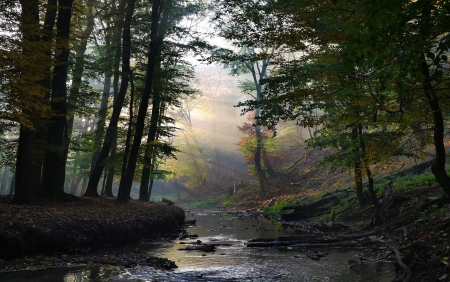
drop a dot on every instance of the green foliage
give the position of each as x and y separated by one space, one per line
276 208
234 198
209 203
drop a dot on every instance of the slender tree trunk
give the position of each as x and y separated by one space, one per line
358 169
75 186
12 186
116 41
5 177
111 132
110 176
152 134
54 163
130 128
267 164
155 43
77 74
100 129
177 189
379 214
438 168
150 188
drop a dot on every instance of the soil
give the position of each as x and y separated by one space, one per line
48 234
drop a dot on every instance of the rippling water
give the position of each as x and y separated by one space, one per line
234 262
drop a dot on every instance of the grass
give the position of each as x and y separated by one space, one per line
406 183
234 198
209 203
276 208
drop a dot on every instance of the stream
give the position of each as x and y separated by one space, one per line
232 260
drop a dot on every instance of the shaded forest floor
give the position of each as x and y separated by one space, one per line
79 226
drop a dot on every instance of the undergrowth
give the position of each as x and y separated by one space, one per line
209 203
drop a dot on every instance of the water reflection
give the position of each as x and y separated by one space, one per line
232 261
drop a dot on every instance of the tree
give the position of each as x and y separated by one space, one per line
91 190
155 45
53 173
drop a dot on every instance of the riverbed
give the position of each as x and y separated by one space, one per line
232 260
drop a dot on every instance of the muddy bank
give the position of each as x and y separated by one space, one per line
81 225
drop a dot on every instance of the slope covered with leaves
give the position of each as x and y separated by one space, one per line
80 225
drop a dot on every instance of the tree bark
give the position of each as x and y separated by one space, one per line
149 155
40 137
358 169
12 186
111 132
5 177
379 215
267 164
77 74
155 44
438 168
54 163
29 26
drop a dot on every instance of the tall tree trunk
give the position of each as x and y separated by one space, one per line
257 158
130 127
40 138
267 164
149 154
379 213
29 27
111 132
77 74
54 163
358 169
116 42
155 44
438 168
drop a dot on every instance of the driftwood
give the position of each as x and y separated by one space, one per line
313 241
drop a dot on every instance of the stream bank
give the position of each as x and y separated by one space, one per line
80 225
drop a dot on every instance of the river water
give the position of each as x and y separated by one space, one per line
232 261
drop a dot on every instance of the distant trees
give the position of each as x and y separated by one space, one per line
105 39
366 67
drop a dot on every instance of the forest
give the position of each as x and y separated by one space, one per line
233 103
95 93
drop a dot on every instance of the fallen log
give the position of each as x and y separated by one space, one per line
316 204
410 217
310 240
409 273
304 214
200 248
360 235
268 244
